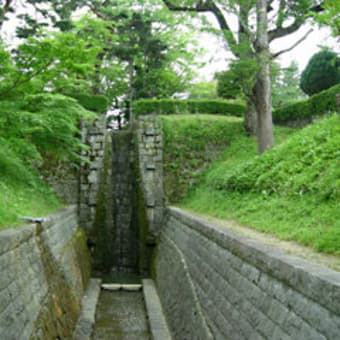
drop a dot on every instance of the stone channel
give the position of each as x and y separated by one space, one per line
121 315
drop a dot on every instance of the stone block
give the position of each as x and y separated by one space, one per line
150 131
150 166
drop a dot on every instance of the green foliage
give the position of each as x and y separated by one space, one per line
22 192
331 16
322 72
285 86
227 85
317 105
292 191
203 90
308 163
41 125
239 80
190 144
173 106
95 103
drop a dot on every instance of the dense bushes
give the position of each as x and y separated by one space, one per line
322 72
42 125
317 105
96 103
173 106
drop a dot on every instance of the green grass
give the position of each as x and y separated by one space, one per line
22 192
191 143
292 192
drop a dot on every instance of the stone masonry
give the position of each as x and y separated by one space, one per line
214 283
93 136
44 272
150 152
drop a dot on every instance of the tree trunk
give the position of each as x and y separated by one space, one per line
250 118
263 102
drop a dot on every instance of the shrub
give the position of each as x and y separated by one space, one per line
95 103
317 105
322 72
173 106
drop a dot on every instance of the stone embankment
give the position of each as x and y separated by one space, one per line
217 284
45 268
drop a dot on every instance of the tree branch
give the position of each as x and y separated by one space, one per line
6 8
280 31
208 6
94 10
283 31
275 55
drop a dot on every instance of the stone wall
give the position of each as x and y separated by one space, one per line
93 136
150 154
63 177
216 284
44 271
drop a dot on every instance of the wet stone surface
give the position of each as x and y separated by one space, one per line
121 316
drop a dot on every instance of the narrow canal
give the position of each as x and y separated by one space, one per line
121 315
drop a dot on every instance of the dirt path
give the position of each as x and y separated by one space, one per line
330 261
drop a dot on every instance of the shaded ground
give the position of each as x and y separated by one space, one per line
121 316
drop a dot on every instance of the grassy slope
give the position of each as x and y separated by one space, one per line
22 192
191 143
292 192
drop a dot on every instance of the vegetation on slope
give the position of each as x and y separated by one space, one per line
292 191
34 130
22 191
191 143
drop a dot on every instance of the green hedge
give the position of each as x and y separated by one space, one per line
96 103
176 106
317 105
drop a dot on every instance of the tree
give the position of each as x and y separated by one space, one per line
154 50
228 85
286 86
251 43
137 47
321 72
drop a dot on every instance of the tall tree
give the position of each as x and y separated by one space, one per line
251 43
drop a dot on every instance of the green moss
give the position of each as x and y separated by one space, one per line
59 312
102 232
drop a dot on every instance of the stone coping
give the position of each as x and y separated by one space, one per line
315 281
86 320
11 238
157 323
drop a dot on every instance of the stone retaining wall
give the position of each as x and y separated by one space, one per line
93 136
216 284
150 157
44 272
